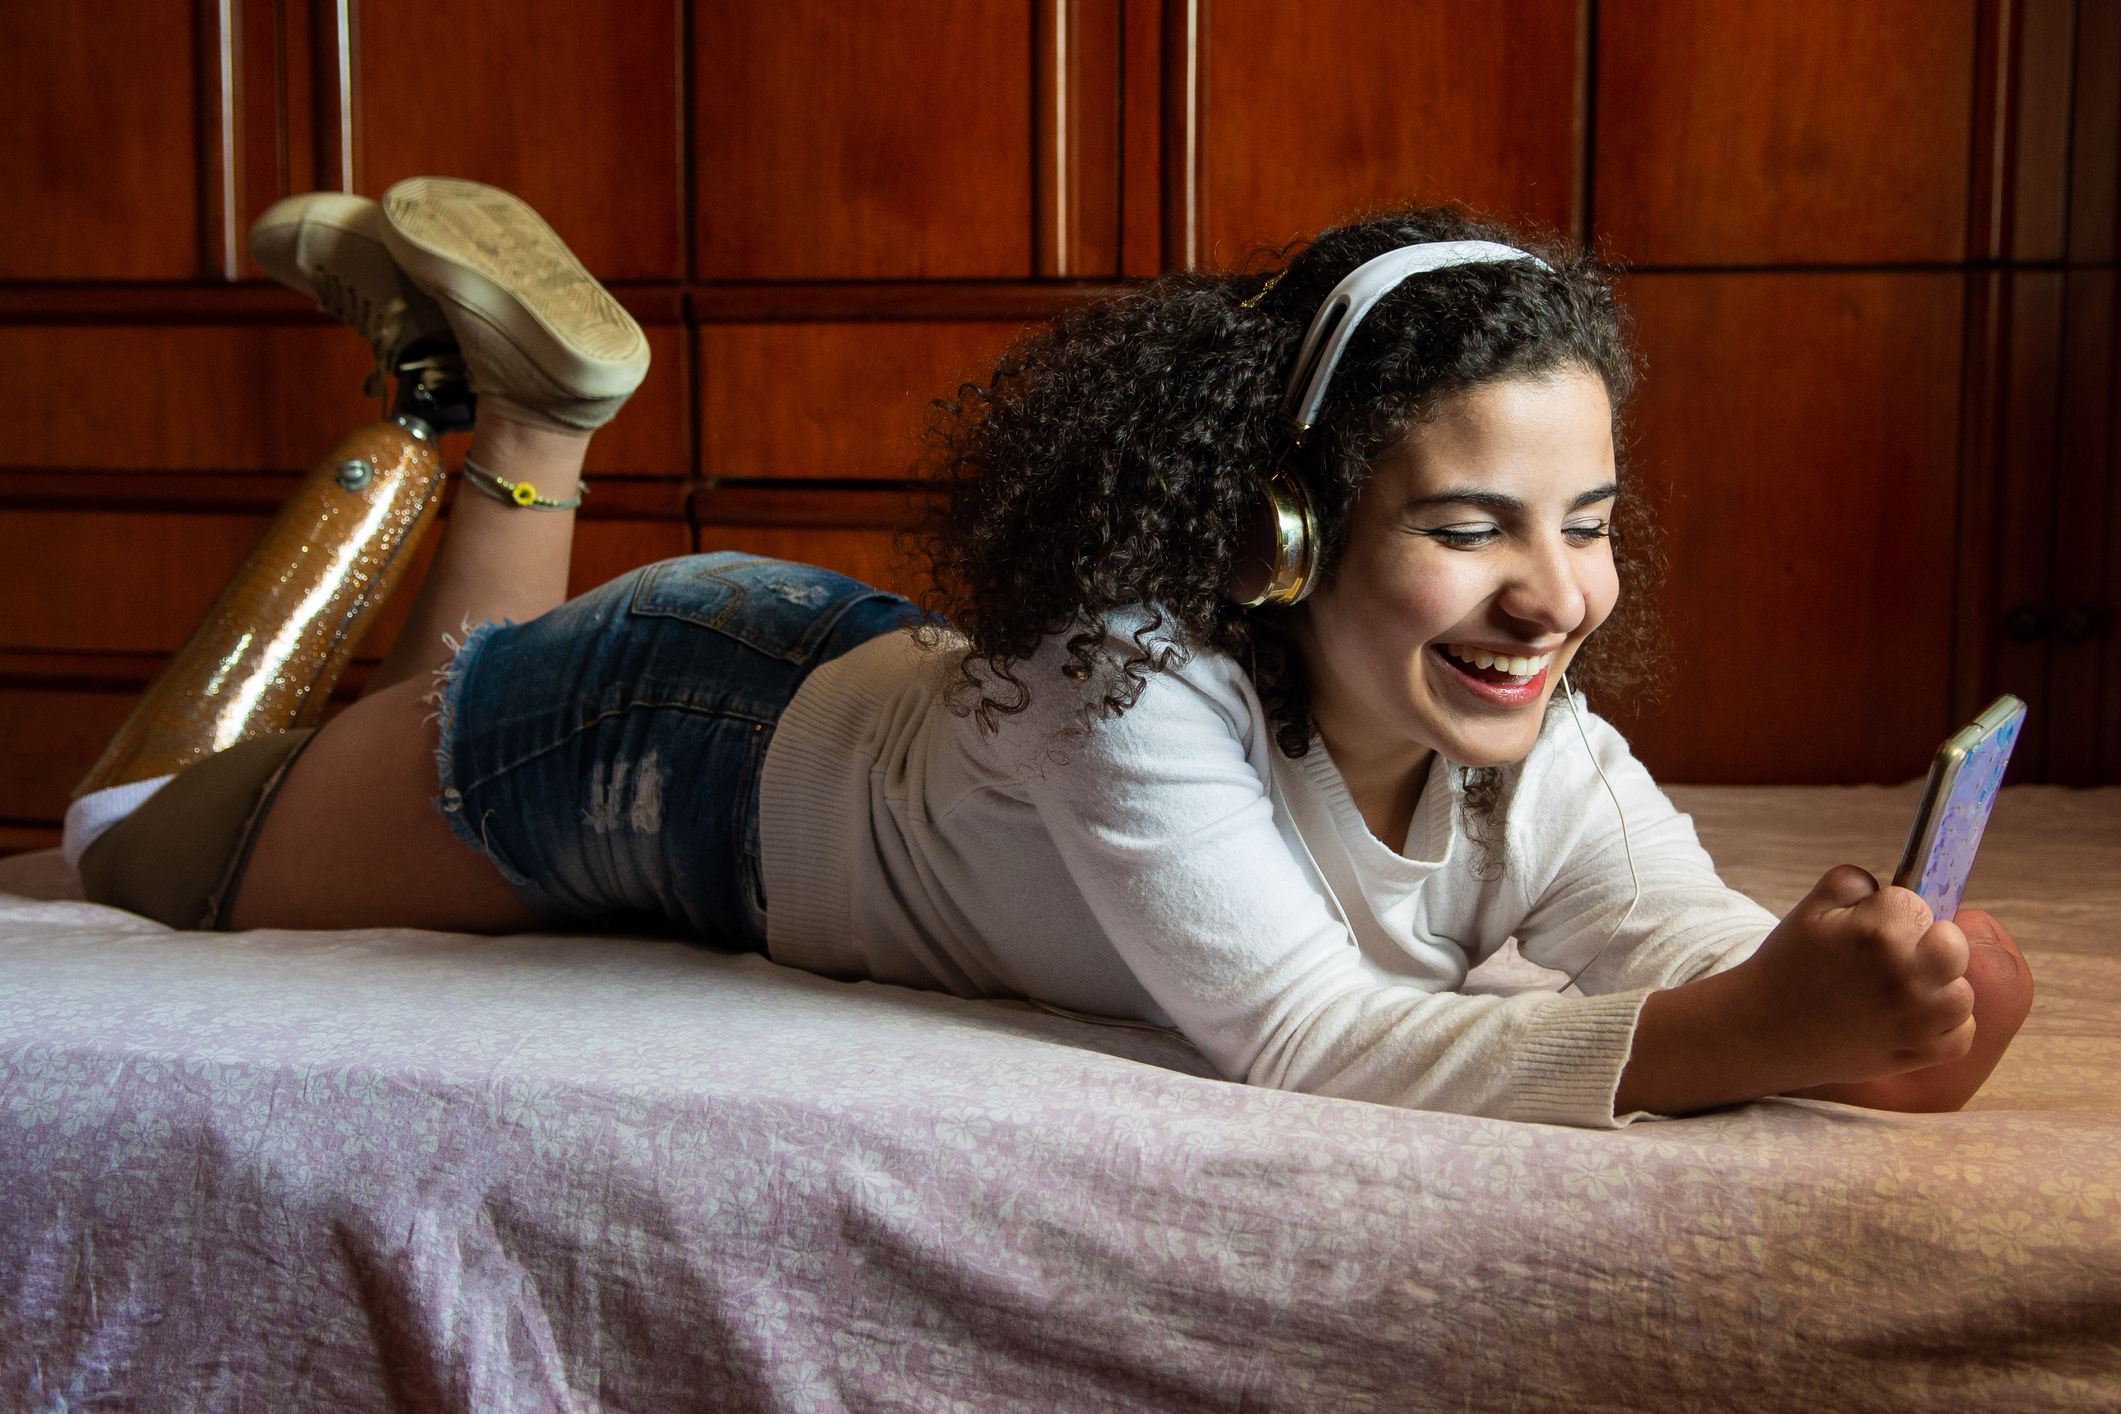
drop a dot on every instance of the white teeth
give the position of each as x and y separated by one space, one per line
1520 667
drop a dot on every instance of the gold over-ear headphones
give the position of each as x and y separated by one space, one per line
1278 563
1281 561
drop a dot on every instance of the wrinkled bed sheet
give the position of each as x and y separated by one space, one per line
397 1170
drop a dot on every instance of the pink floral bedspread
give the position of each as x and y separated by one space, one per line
415 1171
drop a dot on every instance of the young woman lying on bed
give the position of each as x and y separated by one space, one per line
1252 715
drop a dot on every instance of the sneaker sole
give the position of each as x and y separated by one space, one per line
486 250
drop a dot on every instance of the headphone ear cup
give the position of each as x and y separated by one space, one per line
1252 567
1278 561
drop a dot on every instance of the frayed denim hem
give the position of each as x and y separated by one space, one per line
449 686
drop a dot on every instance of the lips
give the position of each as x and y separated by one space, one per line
1493 685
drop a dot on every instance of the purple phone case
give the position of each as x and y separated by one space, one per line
1963 815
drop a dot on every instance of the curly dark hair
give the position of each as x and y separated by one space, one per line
1114 458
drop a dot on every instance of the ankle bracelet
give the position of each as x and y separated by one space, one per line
517 493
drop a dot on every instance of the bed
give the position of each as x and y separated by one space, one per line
399 1170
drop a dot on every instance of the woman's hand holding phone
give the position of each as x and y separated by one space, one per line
1865 982
1962 787
2003 995
1860 996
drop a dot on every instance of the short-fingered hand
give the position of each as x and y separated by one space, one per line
1863 982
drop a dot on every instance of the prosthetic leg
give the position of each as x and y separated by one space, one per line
268 653
453 285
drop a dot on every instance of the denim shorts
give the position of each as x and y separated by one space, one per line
606 756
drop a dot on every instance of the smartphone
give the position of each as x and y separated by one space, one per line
1955 805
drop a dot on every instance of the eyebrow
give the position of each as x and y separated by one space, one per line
1497 501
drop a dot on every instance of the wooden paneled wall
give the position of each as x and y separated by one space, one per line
1870 250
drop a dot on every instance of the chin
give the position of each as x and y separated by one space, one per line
1482 750
1476 760
1484 724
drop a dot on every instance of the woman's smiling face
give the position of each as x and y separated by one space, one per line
1481 535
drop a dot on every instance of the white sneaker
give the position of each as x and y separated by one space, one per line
534 326
330 246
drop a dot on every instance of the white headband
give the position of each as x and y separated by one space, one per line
1351 299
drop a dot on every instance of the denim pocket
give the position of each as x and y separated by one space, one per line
783 610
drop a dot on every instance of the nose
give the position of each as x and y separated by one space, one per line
1544 594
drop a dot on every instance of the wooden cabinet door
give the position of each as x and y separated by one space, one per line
1870 251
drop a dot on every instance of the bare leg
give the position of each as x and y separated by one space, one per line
352 840
498 561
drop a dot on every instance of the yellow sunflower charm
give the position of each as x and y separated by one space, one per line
520 494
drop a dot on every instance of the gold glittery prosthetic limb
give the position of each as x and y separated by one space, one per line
269 651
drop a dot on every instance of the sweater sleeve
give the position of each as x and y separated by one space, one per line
1565 829
1163 820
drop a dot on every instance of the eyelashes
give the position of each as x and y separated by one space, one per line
1461 539
1474 539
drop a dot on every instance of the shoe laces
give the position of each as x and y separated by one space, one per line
381 325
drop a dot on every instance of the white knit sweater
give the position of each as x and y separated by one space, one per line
1171 865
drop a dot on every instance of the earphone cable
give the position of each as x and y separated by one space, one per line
1278 798
1626 843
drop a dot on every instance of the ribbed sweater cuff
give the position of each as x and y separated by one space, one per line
1569 1058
